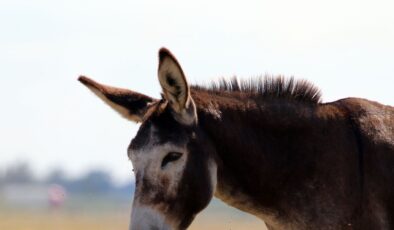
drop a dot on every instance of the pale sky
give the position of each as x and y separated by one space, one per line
49 119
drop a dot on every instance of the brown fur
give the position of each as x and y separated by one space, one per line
302 166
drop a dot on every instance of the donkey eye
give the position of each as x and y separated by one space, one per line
171 156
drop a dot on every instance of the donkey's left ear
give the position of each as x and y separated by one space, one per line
175 88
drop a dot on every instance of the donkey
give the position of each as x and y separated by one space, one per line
267 146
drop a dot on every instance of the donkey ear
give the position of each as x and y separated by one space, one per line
175 87
129 104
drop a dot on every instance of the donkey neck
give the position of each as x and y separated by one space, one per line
261 150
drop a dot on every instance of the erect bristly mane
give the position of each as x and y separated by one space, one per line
266 87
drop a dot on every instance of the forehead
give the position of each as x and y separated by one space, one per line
159 129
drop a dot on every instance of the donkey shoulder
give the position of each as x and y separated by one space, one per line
373 120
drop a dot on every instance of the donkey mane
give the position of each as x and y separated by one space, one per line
267 87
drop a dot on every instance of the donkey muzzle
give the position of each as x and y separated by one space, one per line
147 218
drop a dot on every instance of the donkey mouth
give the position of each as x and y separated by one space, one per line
147 218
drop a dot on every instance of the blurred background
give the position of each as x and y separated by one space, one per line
63 161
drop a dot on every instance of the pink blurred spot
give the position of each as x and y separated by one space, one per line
56 195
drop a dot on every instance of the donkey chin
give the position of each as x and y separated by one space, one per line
147 218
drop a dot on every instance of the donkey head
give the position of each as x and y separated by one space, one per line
173 160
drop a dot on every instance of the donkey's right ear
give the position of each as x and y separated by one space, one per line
129 104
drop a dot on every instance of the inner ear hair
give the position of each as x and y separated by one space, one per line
173 81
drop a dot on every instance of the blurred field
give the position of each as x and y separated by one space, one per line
216 217
61 221
215 221
41 221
